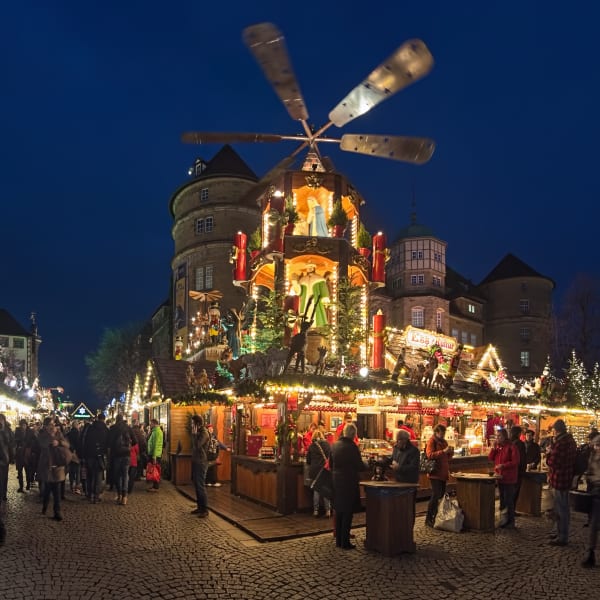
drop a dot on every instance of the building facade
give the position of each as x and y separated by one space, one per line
19 351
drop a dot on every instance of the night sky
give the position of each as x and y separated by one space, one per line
95 96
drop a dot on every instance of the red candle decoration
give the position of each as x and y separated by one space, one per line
379 251
240 259
378 346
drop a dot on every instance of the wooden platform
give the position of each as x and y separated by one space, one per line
262 523
266 525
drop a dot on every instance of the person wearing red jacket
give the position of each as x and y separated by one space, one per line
437 449
506 458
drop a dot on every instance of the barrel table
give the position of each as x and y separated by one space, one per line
390 516
476 494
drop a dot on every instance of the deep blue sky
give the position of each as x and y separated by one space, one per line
95 96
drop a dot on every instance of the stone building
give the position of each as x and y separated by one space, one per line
208 210
511 308
19 351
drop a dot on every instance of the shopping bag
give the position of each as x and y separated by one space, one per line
323 483
153 472
450 516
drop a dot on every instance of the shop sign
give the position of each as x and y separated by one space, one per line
82 412
419 338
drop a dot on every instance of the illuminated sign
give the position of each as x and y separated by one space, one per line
82 412
419 338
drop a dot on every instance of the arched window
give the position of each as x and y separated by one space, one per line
418 316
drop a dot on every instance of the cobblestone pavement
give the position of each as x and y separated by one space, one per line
154 548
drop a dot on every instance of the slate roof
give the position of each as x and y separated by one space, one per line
509 267
10 326
458 286
227 162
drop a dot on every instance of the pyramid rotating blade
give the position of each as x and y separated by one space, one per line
408 149
207 137
410 62
267 44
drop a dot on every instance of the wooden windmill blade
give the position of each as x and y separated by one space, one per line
223 137
409 63
267 44
407 149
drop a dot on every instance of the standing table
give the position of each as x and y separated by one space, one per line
476 494
530 495
390 516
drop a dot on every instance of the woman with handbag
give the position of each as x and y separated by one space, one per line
437 449
317 458
52 467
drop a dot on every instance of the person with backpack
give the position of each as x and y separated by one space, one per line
120 441
212 454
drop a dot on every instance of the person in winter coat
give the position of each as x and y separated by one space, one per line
318 452
215 445
560 458
592 476
23 435
533 454
200 439
94 451
52 465
7 456
515 438
437 449
119 441
155 448
346 464
506 458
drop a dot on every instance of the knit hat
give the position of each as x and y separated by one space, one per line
559 425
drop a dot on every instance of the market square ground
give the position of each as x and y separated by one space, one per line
153 548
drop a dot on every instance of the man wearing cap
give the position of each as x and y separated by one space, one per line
560 459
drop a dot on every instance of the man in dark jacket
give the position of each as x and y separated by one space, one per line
119 442
346 464
560 459
405 463
94 452
533 454
7 456
200 439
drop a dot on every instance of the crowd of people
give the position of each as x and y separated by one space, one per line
90 458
